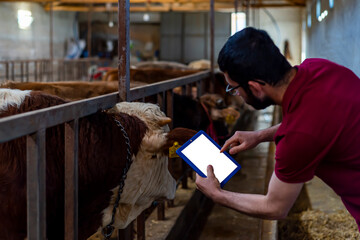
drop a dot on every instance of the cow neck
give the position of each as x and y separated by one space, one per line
109 229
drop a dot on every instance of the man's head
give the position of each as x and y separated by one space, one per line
251 55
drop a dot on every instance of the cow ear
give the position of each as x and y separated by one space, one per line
163 121
180 135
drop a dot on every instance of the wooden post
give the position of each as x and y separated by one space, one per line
124 49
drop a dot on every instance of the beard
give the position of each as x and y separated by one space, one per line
258 103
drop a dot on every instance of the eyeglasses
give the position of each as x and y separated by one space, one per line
233 91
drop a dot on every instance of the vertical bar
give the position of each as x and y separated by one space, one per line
206 36
169 106
140 224
247 12
27 71
71 179
183 89
35 182
51 46
161 210
36 71
182 43
13 71
123 49
160 101
189 90
7 70
198 89
127 233
212 23
89 28
184 179
21 71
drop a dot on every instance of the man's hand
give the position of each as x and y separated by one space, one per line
241 140
210 186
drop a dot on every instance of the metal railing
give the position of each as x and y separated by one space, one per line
33 125
47 70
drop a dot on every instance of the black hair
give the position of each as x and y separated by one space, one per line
251 54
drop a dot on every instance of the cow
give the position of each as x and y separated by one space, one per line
101 158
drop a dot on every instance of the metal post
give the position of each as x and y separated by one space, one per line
36 186
169 106
51 43
140 224
161 210
212 23
71 179
89 31
124 49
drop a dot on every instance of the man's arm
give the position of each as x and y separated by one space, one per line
274 205
244 140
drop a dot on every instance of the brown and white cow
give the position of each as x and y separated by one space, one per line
102 154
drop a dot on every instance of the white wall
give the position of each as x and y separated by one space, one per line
337 37
34 42
281 24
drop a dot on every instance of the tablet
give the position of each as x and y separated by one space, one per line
201 151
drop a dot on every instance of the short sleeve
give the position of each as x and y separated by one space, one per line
297 157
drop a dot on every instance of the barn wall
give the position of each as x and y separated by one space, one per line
281 24
185 37
33 43
337 37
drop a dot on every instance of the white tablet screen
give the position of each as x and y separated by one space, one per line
202 152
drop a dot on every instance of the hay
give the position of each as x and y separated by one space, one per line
316 225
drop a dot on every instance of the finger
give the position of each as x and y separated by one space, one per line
227 144
237 149
210 171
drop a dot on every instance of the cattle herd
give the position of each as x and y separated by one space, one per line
102 153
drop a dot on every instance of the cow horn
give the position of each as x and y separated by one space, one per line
163 121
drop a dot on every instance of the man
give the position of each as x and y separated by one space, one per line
319 134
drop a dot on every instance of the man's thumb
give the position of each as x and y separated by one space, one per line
210 171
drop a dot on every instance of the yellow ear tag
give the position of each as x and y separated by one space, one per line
172 150
230 119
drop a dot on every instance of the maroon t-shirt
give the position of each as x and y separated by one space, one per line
320 131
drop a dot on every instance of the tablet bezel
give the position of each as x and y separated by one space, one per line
196 169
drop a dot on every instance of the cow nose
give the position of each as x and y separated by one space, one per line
220 104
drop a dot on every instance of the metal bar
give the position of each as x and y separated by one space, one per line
21 71
161 210
89 30
182 38
124 49
160 100
71 179
198 89
26 123
7 70
36 186
13 71
36 71
140 224
127 233
169 106
51 45
183 90
184 179
27 71
151 89
212 27
189 90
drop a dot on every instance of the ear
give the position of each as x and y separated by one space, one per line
256 88
180 135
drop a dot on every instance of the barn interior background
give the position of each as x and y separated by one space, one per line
77 40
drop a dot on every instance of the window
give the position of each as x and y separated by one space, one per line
318 9
331 3
238 22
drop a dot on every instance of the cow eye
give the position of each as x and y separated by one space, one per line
154 156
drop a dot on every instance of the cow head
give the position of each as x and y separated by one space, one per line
148 178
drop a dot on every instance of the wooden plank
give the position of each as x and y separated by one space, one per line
71 179
36 186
